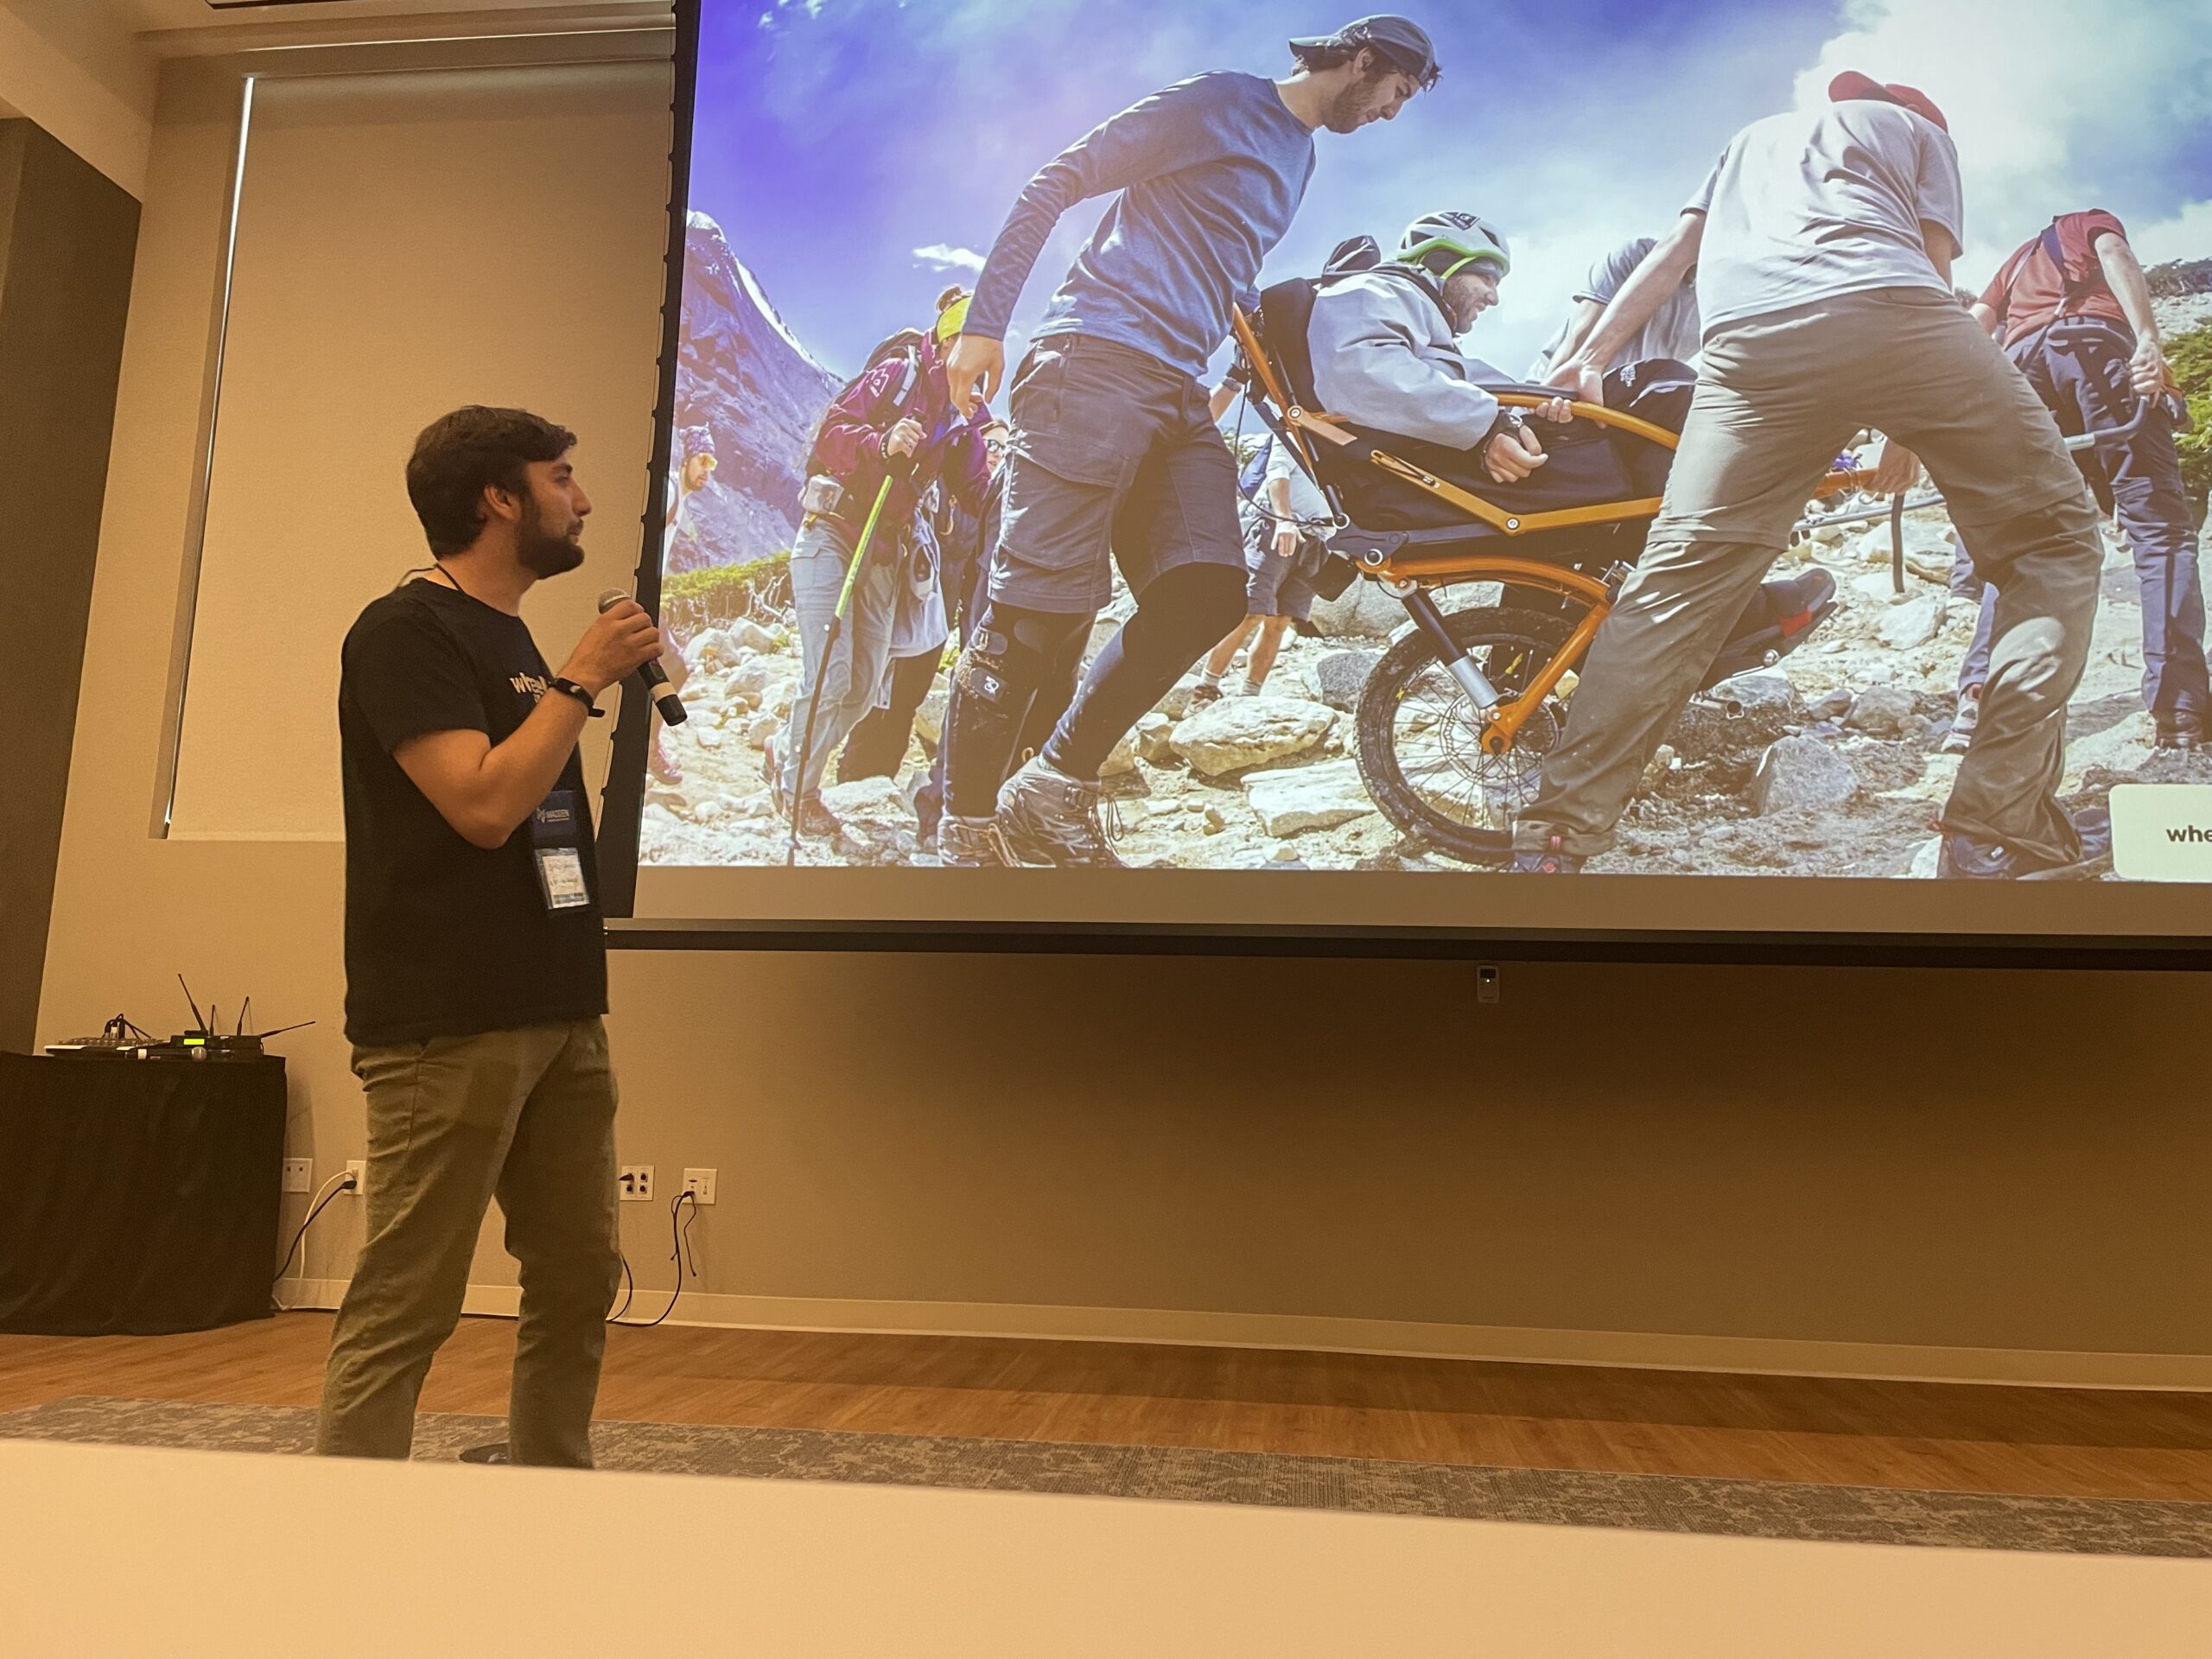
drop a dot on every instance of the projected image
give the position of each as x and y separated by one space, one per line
1747 440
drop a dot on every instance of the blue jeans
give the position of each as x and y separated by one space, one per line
2079 367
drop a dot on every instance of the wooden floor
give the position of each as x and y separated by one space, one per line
2047 1441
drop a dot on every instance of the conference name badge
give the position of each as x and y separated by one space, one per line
557 838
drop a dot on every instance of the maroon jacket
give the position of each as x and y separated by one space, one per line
850 446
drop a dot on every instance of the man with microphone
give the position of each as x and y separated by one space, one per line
475 964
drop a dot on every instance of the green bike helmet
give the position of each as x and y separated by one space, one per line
1445 244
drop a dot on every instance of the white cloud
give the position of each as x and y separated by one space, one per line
940 256
2050 101
2187 235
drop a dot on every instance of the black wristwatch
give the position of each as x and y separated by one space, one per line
570 688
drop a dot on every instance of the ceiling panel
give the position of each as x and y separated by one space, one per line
160 17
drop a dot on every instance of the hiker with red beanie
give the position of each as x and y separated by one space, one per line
1823 242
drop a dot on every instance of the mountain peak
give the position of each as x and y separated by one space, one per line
742 373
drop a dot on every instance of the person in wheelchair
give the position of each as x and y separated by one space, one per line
1383 341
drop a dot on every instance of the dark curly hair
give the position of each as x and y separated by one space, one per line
462 454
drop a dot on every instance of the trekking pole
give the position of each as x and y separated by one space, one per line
1896 542
821 663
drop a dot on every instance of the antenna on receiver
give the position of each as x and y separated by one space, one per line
200 1022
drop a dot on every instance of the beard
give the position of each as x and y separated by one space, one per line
542 552
1349 112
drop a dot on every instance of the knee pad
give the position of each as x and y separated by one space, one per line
1011 651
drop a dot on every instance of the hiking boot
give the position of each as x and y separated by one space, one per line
1047 817
1963 723
816 819
970 844
1202 695
1551 859
2183 729
663 765
1964 857
1780 617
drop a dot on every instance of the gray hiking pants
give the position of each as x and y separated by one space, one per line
1780 396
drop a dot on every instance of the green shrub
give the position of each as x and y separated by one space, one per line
721 593
2190 355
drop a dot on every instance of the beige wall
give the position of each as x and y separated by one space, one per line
1882 1170
70 66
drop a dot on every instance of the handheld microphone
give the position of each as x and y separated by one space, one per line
652 676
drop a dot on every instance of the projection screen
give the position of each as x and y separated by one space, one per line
1230 470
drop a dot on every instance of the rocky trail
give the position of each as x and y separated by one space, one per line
1830 763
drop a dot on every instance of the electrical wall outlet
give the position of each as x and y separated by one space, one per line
299 1175
635 1181
700 1184
359 1169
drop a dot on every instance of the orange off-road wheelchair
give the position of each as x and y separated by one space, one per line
1455 721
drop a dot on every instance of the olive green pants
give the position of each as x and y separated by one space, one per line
526 1117
1777 397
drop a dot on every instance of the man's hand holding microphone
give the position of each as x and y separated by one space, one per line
623 641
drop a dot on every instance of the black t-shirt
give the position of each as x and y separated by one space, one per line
444 939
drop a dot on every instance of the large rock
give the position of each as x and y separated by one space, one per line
1156 740
1883 711
1308 797
1875 591
1801 774
1240 732
1363 611
1927 860
1123 760
1737 716
1177 703
878 826
1340 676
716 651
929 718
1913 623
751 677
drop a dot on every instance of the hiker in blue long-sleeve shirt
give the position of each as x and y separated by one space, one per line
1114 459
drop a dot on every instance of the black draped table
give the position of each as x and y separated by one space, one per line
138 1196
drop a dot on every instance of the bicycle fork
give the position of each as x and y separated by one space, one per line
1456 663
1501 720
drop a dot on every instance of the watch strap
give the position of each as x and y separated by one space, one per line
570 688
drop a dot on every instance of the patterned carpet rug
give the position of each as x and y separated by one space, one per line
1742 1509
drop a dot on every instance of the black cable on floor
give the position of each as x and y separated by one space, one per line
680 1242
629 1289
345 1186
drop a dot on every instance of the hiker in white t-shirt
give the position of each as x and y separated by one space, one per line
1672 332
1823 242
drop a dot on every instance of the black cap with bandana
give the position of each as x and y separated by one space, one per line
1401 40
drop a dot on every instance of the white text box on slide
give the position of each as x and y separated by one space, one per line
2162 832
